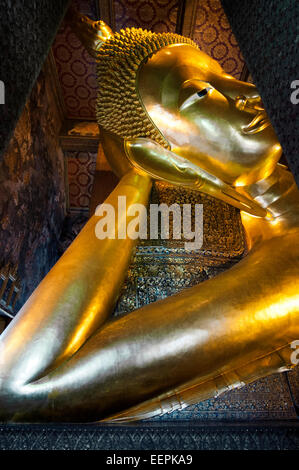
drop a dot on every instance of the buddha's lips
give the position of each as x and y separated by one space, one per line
257 124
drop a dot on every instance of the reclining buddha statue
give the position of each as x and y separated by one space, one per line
168 112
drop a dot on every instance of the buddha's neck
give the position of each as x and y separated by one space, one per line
278 193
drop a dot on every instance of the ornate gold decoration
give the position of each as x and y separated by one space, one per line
85 129
92 34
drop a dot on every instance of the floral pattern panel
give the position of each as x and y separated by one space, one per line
160 16
81 170
214 36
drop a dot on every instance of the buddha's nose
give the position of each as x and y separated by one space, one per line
249 104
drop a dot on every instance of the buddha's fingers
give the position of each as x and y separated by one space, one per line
74 299
221 325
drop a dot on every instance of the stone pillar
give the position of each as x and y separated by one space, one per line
27 31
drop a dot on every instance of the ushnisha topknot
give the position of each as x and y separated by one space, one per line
119 108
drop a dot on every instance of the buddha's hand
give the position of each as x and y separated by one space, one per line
150 157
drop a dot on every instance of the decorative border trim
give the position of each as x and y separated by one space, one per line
157 436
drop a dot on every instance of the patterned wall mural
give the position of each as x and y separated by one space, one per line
159 16
214 36
81 170
32 190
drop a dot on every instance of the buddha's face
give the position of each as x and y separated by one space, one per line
207 116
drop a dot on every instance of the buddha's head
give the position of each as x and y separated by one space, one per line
163 87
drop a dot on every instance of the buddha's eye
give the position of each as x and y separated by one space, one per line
199 95
202 92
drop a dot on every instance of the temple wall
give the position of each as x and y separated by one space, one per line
32 190
212 32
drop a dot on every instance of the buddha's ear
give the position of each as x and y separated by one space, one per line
150 157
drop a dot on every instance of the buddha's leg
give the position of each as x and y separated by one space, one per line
221 325
73 300
212 385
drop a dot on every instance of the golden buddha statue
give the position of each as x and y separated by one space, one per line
166 112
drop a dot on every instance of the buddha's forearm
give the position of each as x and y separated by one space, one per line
73 300
238 317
